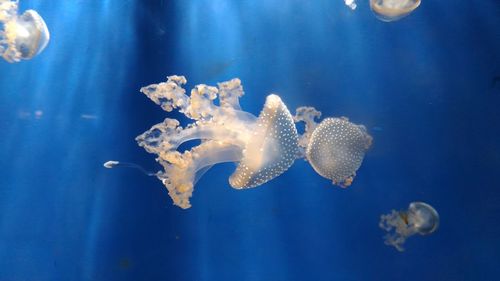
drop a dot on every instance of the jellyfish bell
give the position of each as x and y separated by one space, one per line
272 149
22 37
423 217
335 148
32 34
392 10
420 218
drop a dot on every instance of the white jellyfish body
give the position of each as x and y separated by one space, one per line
21 36
392 10
335 148
263 147
420 218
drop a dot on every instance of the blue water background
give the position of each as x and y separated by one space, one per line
423 86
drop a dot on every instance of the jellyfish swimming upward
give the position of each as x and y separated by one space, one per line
263 146
420 218
392 10
21 36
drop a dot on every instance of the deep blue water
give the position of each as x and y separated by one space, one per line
424 87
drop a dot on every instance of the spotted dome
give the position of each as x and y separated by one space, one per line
337 148
272 148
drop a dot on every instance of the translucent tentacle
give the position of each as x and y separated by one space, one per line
307 115
181 169
397 227
168 135
8 9
230 93
168 95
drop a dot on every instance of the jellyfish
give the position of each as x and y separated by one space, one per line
21 36
420 218
263 146
113 163
351 4
335 148
392 10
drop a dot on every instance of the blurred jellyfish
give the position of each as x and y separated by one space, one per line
351 4
392 10
21 36
264 147
112 164
420 218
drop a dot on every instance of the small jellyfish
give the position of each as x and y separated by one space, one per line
351 4
112 164
392 10
21 36
263 146
420 218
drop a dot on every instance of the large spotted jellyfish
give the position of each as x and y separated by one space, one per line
264 147
392 10
21 36
420 218
335 148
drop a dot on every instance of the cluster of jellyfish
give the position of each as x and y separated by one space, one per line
420 218
388 10
22 36
263 146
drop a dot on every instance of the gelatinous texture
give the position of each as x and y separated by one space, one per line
21 36
391 10
423 217
264 146
335 147
308 115
420 218
272 149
